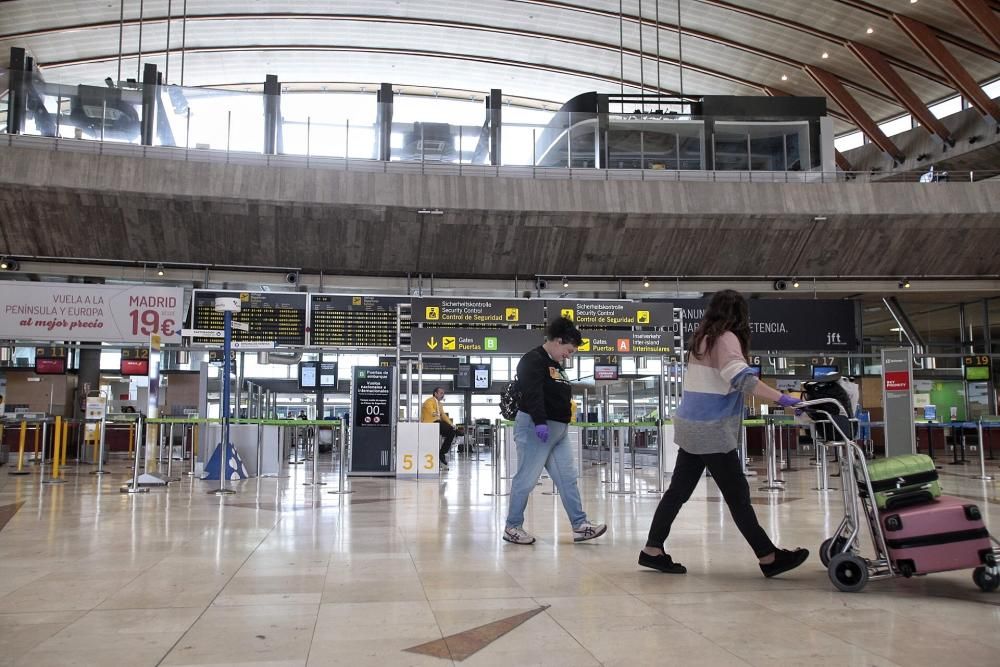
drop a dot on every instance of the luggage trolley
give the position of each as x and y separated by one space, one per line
841 554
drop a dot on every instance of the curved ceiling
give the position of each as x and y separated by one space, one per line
542 50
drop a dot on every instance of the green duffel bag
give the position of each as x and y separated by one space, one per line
898 481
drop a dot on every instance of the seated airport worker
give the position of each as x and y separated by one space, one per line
431 412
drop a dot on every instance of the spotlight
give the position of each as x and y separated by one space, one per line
904 283
159 269
780 285
565 282
795 282
645 282
8 264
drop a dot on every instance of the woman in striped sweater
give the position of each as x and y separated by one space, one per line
706 428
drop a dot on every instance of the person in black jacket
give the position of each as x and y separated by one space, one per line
540 433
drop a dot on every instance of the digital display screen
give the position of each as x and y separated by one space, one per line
977 373
315 375
50 365
818 372
307 375
606 367
278 317
328 374
353 321
134 362
475 377
930 412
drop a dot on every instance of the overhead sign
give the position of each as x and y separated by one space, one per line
134 361
437 365
447 340
791 325
203 333
631 343
977 367
587 313
253 345
460 311
337 320
606 367
50 360
277 317
71 312
473 376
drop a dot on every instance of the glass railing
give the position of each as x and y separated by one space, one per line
344 127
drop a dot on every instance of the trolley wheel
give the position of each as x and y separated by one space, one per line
830 544
849 573
986 581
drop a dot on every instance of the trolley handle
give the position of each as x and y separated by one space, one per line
821 401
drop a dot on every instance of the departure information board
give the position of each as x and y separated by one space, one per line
278 317
337 320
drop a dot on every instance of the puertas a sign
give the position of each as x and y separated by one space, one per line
459 311
435 365
597 314
790 325
450 340
372 418
111 313
634 343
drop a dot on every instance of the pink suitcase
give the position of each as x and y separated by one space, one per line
947 534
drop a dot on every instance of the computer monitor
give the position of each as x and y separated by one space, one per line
930 412
819 371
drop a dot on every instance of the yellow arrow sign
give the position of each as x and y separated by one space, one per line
432 343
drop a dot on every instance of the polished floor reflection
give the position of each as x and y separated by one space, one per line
409 572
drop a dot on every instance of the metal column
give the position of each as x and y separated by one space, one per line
383 121
272 110
149 91
494 110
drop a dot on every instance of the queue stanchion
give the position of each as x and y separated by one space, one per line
260 450
342 472
228 306
62 443
314 440
21 438
982 456
35 457
621 490
661 452
103 426
133 486
496 454
56 437
773 483
192 439
822 472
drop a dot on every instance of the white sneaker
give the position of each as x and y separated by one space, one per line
517 536
443 466
588 531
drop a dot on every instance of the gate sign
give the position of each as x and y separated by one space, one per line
588 313
450 340
110 313
461 311
629 343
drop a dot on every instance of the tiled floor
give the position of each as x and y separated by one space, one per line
287 574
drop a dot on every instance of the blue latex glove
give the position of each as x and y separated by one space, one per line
788 401
542 431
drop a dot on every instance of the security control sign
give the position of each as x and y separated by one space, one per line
612 313
111 313
448 340
457 312
629 343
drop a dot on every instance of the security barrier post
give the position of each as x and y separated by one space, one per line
342 481
103 426
22 436
982 457
65 434
133 486
773 483
56 437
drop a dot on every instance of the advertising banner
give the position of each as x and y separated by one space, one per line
790 325
71 312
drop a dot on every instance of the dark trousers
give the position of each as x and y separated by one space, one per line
448 432
728 474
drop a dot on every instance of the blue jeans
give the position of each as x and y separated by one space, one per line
556 456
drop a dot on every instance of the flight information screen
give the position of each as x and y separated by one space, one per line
337 320
278 317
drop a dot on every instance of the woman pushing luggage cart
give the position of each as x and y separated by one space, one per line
939 535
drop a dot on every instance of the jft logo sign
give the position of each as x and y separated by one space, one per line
833 338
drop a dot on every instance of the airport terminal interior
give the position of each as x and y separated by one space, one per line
268 270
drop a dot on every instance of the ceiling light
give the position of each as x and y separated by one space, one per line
8 264
784 77
895 330
826 55
870 30
795 282
159 269
565 282
904 284
430 211
913 2
645 282
819 218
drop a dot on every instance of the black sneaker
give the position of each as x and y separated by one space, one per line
663 563
784 560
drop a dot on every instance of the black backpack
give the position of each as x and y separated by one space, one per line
829 388
509 400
